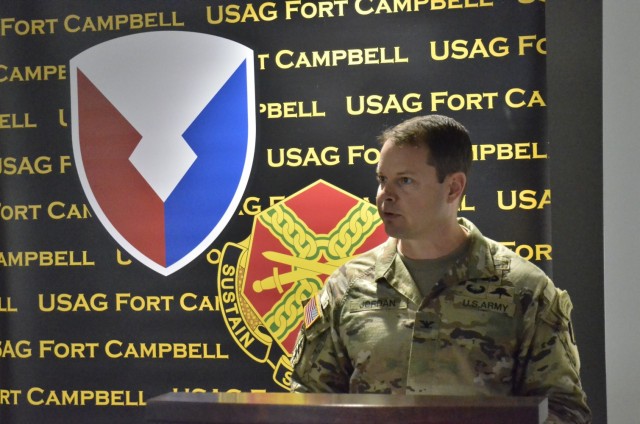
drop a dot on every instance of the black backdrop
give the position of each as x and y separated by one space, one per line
574 71
525 220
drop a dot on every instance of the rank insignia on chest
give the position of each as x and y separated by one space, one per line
312 311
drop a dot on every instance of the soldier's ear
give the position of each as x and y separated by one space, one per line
456 184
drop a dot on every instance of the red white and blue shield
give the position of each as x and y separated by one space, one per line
163 139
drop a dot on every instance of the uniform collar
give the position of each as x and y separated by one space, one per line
480 263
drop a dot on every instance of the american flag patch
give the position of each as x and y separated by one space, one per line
312 311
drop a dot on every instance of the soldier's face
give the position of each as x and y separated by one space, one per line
411 201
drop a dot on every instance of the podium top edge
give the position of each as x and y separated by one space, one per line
347 399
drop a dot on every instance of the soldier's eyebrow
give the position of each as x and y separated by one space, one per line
405 174
398 173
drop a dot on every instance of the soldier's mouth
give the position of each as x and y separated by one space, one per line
389 215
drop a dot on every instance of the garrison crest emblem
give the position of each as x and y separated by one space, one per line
163 129
294 246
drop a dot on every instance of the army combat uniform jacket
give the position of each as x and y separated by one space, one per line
493 325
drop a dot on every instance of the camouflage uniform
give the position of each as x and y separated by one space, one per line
494 325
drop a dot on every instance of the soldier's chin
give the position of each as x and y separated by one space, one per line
392 231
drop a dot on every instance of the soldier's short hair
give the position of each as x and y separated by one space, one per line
446 140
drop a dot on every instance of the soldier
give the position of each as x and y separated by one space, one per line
438 309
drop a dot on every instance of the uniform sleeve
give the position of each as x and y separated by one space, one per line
550 362
319 361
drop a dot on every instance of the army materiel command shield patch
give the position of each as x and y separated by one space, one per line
163 128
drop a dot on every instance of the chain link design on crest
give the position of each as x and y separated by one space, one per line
285 225
348 235
353 230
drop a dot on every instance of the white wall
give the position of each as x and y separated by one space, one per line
621 145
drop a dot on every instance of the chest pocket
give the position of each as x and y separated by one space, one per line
377 331
480 319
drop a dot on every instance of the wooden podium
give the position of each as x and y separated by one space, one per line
320 408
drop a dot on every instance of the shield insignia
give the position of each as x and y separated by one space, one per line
163 128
